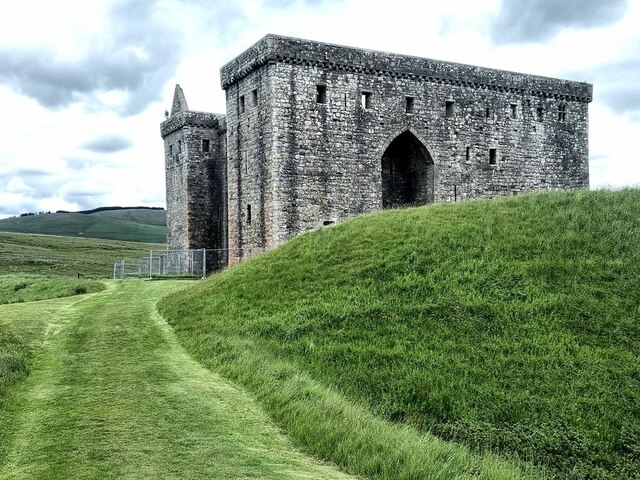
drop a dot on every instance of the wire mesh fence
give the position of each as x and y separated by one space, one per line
176 263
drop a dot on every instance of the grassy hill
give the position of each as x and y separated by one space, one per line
59 255
136 225
510 325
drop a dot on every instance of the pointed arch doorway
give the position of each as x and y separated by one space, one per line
407 173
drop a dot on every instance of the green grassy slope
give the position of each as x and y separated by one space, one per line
112 395
127 225
46 254
138 215
510 325
19 288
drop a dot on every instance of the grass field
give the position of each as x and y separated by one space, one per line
28 288
509 325
135 225
57 255
111 395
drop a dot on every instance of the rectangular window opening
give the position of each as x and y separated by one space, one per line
540 113
171 150
409 104
321 94
562 112
242 104
254 95
366 100
448 108
205 145
468 154
249 214
487 112
514 110
493 156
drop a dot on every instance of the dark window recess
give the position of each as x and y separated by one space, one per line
540 113
448 108
205 145
249 214
179 146
562 112
254 95
321 94
487 112
328 222
242 104
409 104
514 110
366 100
493 156
468 154
171 150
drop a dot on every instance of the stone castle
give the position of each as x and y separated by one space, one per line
317 133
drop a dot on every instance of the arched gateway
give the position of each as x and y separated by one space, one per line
407 172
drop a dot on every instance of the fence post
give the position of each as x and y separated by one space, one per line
204 263
150 263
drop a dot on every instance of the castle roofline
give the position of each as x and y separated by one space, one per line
279 49
193 118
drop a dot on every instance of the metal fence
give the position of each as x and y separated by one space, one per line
176 263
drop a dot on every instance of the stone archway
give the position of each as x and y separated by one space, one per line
407 173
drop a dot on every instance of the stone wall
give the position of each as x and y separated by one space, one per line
297 163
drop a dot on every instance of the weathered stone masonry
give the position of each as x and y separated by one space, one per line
317 133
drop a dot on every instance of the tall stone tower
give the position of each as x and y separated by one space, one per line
196 172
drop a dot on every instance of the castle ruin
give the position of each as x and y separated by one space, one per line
316 133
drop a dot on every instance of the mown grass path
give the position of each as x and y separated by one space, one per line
113 395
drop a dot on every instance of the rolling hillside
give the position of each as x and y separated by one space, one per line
509 326
59 255
135 225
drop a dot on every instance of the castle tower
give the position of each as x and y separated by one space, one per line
195 166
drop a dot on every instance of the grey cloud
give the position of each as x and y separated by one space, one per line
113 63
537 20
108 144
615 84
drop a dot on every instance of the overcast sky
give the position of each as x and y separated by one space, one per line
84 84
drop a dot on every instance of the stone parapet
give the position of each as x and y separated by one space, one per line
295 51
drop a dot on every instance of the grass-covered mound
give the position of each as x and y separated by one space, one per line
510 325
28 288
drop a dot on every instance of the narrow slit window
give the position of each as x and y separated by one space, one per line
410 104
493 156
468 154
321 94
487 112
249 214
366 100
171 150
242 104
540 113
254 95
514 110
448 108
205 145
562 112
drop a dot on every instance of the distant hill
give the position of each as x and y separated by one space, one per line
129 224
22 253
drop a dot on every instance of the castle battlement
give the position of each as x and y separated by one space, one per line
296 51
